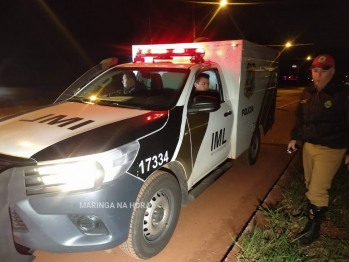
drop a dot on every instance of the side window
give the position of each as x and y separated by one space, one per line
215 85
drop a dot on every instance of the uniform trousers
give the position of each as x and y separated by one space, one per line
320 165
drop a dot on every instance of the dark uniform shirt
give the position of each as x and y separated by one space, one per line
138 87
323 117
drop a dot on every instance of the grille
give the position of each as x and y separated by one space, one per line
17 223
35 186
7 162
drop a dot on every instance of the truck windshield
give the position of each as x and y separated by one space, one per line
143 88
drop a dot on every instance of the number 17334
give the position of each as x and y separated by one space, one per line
153 162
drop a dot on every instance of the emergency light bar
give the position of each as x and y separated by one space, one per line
146 54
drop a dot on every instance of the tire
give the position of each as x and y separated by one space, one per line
154 221
250 155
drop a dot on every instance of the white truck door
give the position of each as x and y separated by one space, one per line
210 132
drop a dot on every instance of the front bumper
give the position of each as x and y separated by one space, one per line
47 220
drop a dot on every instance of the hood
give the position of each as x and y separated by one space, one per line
28 134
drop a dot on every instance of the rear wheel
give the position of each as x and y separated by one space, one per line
250 155
154 216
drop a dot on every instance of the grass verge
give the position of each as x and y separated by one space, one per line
273 239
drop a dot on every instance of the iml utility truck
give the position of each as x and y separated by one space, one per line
103 167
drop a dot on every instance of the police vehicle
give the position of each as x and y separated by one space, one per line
99 168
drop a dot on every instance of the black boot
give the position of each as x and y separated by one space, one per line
311 231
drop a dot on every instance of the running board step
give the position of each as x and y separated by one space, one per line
209 180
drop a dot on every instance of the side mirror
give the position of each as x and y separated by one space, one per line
203 103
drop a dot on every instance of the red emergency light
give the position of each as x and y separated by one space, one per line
196 54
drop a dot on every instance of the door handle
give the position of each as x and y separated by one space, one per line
228 113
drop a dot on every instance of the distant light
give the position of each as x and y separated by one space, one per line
309 57
288 44
223 3
294 66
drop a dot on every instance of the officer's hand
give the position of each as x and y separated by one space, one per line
347 160
293 145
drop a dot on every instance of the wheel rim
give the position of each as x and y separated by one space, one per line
156 216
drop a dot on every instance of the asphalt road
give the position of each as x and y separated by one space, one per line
209 225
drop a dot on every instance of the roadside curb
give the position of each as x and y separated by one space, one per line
274 195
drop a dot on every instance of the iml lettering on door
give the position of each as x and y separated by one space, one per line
218 139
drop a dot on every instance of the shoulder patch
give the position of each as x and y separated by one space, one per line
328 104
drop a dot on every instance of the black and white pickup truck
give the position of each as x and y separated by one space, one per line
102 168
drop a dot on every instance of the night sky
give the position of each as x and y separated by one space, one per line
49 43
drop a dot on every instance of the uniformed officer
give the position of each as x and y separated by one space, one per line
131 85
322 124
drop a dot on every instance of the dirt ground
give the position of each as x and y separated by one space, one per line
273 197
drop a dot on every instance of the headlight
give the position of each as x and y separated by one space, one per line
80 172
71 175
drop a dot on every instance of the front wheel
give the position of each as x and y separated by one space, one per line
155 215
250 155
